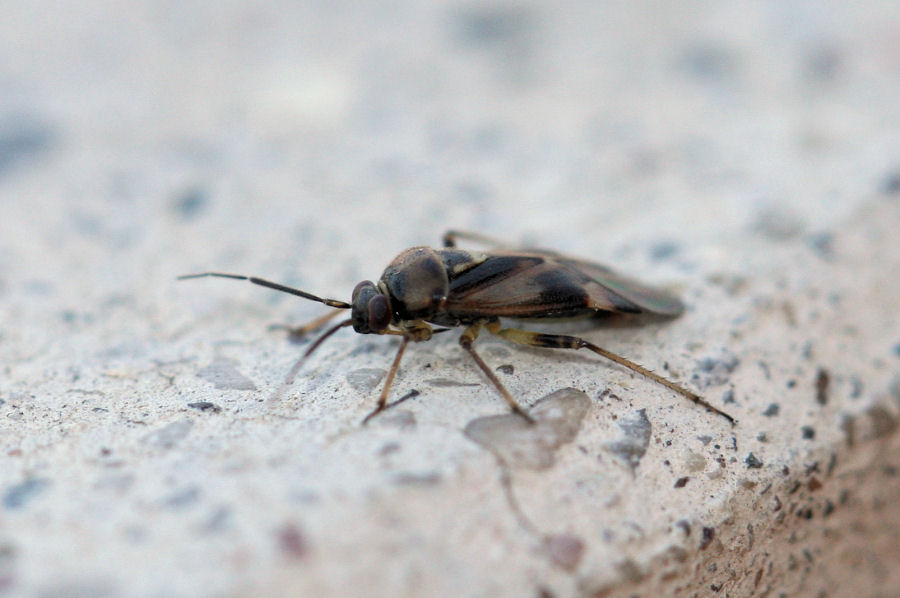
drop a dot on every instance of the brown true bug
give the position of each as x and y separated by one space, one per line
452 287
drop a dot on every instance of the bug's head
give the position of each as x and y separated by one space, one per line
370 310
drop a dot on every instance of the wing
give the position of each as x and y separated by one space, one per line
533 284
648 299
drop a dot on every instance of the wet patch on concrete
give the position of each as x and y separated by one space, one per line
518 443
365 379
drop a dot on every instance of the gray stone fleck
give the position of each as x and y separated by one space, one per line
222 373
170 434
205 406
635 440
19 495
715 371
753 462
182 498
21 139
772 410
215 521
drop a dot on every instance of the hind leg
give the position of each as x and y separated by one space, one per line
563 341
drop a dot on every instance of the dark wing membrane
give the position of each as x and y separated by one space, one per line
605 280
531 284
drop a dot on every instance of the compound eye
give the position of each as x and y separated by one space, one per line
359 288
379 313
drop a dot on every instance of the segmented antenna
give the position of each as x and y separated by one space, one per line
272 285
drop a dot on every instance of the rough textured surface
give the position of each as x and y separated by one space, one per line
749 154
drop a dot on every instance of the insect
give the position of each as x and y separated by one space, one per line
425 288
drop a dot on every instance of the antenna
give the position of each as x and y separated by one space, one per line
272 285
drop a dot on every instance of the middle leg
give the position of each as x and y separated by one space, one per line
466 340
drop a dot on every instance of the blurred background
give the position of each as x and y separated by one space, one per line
746 151
140 139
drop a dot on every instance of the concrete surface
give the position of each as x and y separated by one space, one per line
746 154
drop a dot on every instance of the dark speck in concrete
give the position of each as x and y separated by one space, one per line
883 422
890 184
848 427
486 25
664 250
682 482
823 64
22 139
777 224
190 202
170 434
516 442
822 380
19 495
205 406
222 373
753 462
808 432
708 61
217 520
635 440
292 541
832 463
715 371
182 498
772 410
506 368
707 534
728 396
822 244
474 192
564 550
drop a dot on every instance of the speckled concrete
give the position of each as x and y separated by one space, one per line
747 156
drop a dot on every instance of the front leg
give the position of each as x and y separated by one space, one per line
413 330
382 398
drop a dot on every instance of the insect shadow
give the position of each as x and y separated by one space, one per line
426 291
